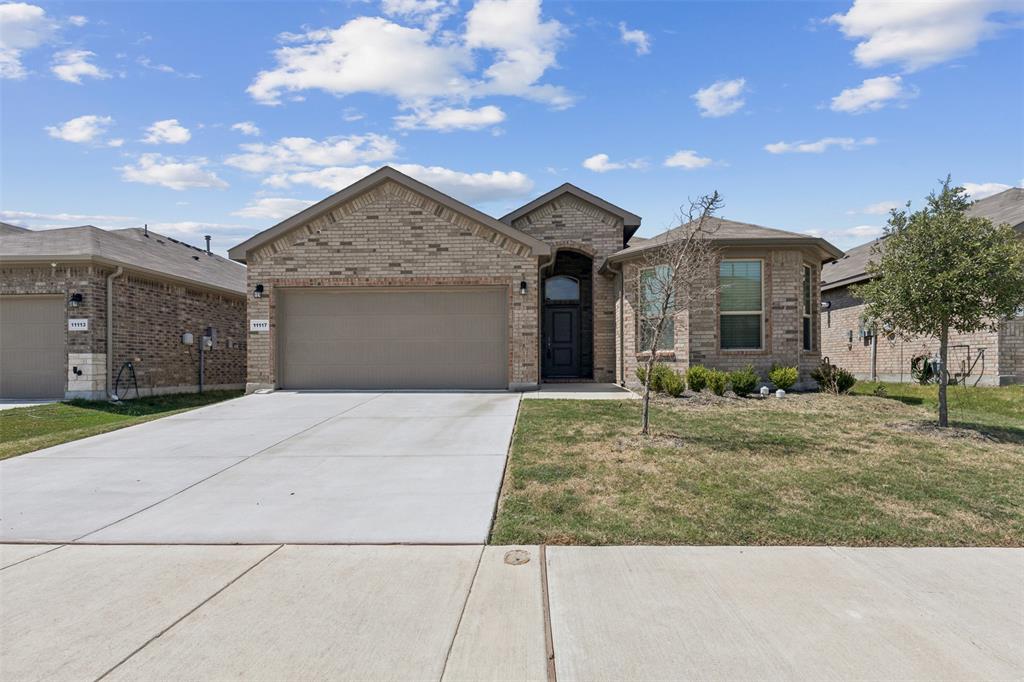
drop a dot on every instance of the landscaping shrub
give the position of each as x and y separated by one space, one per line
744 381
833 379
784 377
673 384
697 378
717 381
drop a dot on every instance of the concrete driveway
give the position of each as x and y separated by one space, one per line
284 467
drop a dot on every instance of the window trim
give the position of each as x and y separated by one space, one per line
807 303
761 348
641 318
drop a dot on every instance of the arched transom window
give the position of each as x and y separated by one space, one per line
561 288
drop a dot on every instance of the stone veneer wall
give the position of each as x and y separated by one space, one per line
1002 362
392 236
697 330
568 222
148 322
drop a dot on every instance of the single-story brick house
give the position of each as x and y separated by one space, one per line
392 284
78 303
850 341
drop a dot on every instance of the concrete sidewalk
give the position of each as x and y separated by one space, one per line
280 612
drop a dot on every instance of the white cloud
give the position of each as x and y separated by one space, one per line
72 66
50 220
247 128
351 114
468 187
165 171
687 159
721 98
303 153
195 227
78 20
600 163
920 34
429 13
83 129
167 132
449 119
819 146
22 27
525 48
980 190
418 67
872 95
148 63
864 231
367 54
635 37
878 208
274 208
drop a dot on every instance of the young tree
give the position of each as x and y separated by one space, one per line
942 270
671 277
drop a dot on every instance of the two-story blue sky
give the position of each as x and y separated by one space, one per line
225 118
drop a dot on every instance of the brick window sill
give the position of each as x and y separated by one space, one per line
660 355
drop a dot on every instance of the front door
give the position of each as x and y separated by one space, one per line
561 341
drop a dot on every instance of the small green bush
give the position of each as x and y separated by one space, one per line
744 381
697 378
784 377
673 384
833 379
717 381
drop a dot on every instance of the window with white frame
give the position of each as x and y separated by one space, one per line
741 304
807 298
652 287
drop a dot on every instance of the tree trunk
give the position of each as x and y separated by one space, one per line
943 377
645 416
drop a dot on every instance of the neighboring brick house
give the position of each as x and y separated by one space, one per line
392 284
850 341
54 333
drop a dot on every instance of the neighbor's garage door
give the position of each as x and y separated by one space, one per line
32 347
390 339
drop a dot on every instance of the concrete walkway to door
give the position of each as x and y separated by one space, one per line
297 467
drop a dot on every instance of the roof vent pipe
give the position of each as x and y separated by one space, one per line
145 229
207 243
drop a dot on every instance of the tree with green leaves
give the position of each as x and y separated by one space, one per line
943 270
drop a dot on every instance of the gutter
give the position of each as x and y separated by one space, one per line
110 324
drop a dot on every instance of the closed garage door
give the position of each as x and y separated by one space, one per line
391 339
32 347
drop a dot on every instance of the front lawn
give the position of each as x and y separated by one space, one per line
986 408
807 469
26 429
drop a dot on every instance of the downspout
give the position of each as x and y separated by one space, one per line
620 278
110 325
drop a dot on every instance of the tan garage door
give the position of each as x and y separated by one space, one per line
32 347
391 339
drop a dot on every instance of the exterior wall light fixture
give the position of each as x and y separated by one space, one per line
75 300
258 291
522 287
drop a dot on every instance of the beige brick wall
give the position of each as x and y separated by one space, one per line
149 318
568 222
992 357
697 330
391 236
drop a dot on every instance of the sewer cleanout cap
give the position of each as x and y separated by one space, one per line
517 557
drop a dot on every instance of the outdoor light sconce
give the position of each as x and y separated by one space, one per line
75 300
825 305
258 291
522 287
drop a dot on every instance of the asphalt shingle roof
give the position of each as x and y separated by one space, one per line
131 248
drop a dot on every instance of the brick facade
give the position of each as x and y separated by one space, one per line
568 222
150 317
391 236
983 357
697 330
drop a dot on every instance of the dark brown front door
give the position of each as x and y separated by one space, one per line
561 341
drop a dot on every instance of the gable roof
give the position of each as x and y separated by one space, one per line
733 233
630 221
1005 207
131 248
7 228
380 175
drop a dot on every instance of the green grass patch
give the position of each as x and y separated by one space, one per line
810 469
26 429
